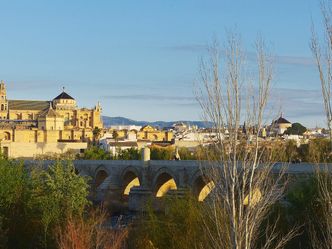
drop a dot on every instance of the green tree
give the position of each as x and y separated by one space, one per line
35 200
186 154
296 129
158 153
58 194
96 132
115 135
14 195
95 153
129 154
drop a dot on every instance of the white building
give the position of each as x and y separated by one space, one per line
115 147
126 127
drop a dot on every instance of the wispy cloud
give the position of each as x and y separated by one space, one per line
188 48
280 59
298 103
296 94
193 104
148 97
295 60
285 59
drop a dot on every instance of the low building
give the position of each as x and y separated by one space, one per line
195 138
114 147
126 127
149 132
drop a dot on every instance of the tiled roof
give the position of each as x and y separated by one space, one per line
63 95
281 120
28 105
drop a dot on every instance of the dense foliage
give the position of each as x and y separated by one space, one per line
296 129
129 154
35 201
315 151
95 153
178 226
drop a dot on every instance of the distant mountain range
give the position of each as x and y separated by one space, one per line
108 121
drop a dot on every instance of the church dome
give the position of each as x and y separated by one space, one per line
64 102
63 95
282 120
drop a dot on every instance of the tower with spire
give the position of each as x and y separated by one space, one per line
3 101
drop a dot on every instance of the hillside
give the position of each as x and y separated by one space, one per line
108 121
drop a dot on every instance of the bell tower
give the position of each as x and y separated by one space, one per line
3 101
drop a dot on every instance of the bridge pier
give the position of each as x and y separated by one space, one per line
139 198
179 192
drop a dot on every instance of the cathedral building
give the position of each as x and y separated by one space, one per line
32 127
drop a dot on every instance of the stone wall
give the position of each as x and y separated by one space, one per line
30 150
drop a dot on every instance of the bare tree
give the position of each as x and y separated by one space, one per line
320 229
321 226
244 188
322 52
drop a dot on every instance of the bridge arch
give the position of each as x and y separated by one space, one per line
100 176
130 178
164 181
202 186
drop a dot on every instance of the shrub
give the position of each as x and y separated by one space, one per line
178 226
15 192
159 153
129 154
95 153
89 233
58 194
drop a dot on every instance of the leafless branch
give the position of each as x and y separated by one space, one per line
245 188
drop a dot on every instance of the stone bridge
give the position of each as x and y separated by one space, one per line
132 183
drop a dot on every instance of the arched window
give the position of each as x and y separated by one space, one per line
7 136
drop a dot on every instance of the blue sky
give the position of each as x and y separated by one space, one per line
141 58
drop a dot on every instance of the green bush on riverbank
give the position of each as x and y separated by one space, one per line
33 203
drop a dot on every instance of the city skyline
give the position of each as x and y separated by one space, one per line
140 60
